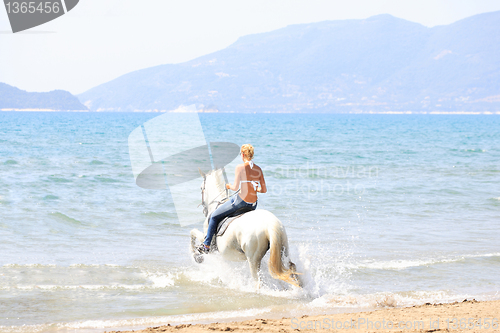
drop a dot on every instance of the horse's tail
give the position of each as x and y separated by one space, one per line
279 249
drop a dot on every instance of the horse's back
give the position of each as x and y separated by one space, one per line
259 219
248 231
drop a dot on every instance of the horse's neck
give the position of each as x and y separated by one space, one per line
216 189
211 208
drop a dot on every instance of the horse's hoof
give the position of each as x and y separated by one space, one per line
198 258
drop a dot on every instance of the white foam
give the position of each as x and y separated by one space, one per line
85 265
29 265
321 275
390 299
404 264
160 280
118 286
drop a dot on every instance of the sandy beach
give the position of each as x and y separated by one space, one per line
466 316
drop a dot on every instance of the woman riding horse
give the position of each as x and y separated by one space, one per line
250 178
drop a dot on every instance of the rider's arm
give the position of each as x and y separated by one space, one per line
263 188
237 178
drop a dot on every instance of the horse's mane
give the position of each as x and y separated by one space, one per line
218 180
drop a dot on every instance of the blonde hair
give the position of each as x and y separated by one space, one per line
247 150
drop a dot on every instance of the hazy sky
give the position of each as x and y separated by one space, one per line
100 40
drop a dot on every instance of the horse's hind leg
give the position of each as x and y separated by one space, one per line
254 256
295 275
254 269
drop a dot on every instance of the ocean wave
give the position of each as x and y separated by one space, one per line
160 215
160 280
65 218
477 150
404 264
58 179
216 274
391 299
29 265
470 150
53 287
76 265
92 265
10 162
76 277
102 179
137 323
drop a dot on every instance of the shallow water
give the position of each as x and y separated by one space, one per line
379 210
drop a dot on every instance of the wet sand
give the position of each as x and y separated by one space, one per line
466 316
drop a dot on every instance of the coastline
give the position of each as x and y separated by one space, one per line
111 110
465 316
40 110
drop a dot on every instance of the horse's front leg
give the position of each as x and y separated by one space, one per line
196 235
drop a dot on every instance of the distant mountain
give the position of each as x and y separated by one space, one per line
379 64
14 98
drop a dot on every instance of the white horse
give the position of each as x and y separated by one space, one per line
247 237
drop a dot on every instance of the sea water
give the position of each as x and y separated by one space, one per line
380 210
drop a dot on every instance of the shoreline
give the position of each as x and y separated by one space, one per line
465 316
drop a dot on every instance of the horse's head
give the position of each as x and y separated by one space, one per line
213 189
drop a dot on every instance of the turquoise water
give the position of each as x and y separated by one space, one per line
379 210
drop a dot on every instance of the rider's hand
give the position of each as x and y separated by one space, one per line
228 186
259 189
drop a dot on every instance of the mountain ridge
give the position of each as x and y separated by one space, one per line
13 98
381 63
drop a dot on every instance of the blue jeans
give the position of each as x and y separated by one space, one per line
229 208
